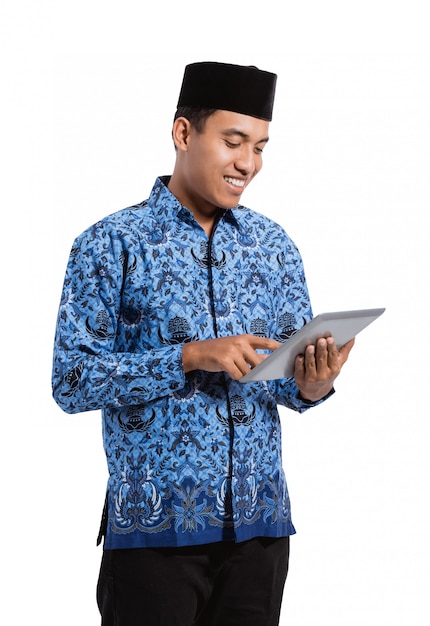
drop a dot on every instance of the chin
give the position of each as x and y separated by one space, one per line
231 204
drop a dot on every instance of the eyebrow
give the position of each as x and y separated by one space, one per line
235 131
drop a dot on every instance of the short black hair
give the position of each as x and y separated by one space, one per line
197 116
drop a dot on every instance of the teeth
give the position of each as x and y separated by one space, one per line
235 181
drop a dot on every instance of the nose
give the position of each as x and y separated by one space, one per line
245 162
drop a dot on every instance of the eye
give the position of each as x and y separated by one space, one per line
258 150
231 144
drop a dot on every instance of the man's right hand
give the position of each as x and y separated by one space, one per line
234 355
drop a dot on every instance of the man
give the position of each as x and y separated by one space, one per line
165 306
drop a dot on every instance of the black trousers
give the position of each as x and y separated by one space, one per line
219 584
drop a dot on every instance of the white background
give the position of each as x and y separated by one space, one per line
89 91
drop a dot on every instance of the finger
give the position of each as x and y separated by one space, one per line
321 354
236 373
242 364
345 350
332 354
252 358
264 343
235 366
310 365
248 350
299 367
249 359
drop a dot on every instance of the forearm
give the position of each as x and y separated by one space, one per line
86 382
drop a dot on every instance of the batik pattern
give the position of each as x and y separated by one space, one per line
192 458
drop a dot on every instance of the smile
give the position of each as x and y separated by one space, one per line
235 181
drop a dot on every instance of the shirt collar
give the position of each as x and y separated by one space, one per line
166 206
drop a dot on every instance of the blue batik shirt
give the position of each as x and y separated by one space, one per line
193 458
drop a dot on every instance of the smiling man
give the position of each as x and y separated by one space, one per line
165 306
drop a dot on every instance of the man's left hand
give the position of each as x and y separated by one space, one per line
316 370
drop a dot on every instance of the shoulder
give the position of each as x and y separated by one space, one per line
123 224
263 226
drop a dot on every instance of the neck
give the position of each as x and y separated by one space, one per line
206 217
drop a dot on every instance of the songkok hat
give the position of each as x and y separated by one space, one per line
238 88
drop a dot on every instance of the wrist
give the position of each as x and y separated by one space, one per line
313 398
188 357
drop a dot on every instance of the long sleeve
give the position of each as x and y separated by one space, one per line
91 367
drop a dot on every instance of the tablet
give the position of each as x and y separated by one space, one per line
342 325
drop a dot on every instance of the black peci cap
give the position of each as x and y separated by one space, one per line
238 88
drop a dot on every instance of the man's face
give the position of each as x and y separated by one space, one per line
219 163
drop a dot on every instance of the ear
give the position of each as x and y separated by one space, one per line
181 133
